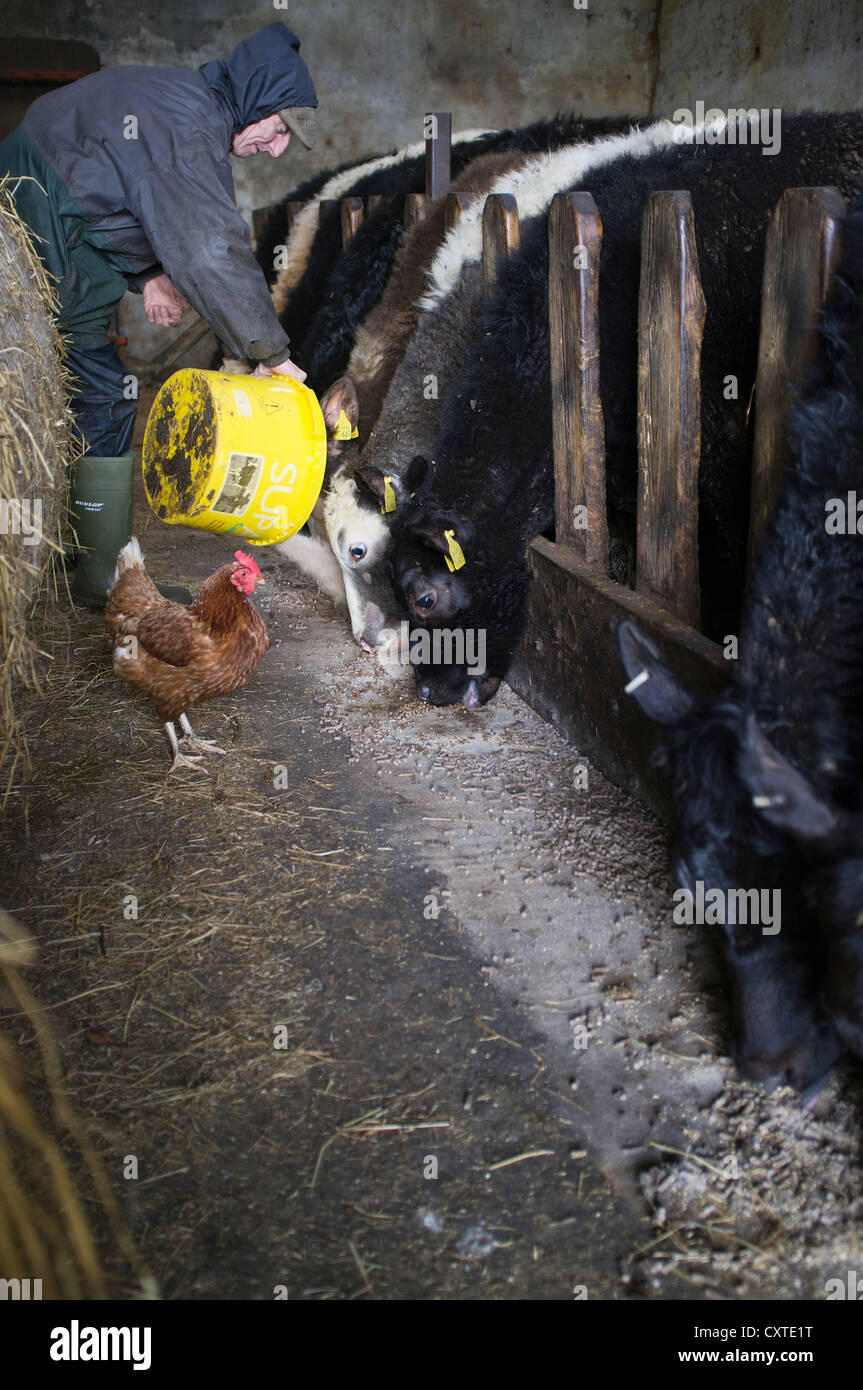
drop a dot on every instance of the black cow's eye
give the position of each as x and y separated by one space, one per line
358 551
427 601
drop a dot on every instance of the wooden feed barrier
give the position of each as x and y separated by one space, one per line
567 666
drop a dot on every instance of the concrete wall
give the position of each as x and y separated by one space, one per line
379 65
787 53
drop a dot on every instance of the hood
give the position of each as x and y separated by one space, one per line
264 74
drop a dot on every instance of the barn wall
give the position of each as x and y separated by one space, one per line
732 52
492 62
378 66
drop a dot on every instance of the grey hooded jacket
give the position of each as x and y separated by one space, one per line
137 160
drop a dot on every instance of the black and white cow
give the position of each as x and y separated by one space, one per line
487 455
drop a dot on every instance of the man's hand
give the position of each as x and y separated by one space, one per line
286 368
162 303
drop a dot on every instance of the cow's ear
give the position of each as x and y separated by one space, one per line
416 476
341 411
783 795
655 688
448 534
384 487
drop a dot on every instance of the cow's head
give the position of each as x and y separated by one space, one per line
432 562
720 840
831 843
454 574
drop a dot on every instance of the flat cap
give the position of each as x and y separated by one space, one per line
301 120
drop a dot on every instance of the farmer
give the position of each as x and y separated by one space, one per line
125 178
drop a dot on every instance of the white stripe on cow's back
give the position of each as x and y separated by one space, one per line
533 187
302 234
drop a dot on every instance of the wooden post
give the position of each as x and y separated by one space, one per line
416 207
803 242
352 216
437 127
574 244
260 218
500 235
456 205
670 327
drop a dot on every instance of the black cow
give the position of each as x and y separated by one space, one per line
766 776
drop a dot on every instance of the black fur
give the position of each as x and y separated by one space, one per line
340 287
275 230
355 286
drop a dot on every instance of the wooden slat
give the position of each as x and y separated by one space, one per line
352 216
373 201
574 244
670 328
568 669
456 205
500 235
324 207
260 218
438 125
803 242
416 207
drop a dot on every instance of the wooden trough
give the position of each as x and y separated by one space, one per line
567 666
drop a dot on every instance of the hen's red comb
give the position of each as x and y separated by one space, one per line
248 563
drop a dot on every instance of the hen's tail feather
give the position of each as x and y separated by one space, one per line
130 555
134 592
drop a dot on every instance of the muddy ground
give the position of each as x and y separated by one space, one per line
402 1013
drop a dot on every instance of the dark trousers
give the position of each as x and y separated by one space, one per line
104 416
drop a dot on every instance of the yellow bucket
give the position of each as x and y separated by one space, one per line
240 455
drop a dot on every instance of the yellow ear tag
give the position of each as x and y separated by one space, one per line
455 560
389 496
342 428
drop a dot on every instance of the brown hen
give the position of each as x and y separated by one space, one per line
183 654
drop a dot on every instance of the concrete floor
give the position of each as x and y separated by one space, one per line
504 1072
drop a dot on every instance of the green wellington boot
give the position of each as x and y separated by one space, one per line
100 500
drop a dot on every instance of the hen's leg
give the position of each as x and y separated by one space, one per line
191 740
180 760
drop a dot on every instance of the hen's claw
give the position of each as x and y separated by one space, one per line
180 760
197 745
202 745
